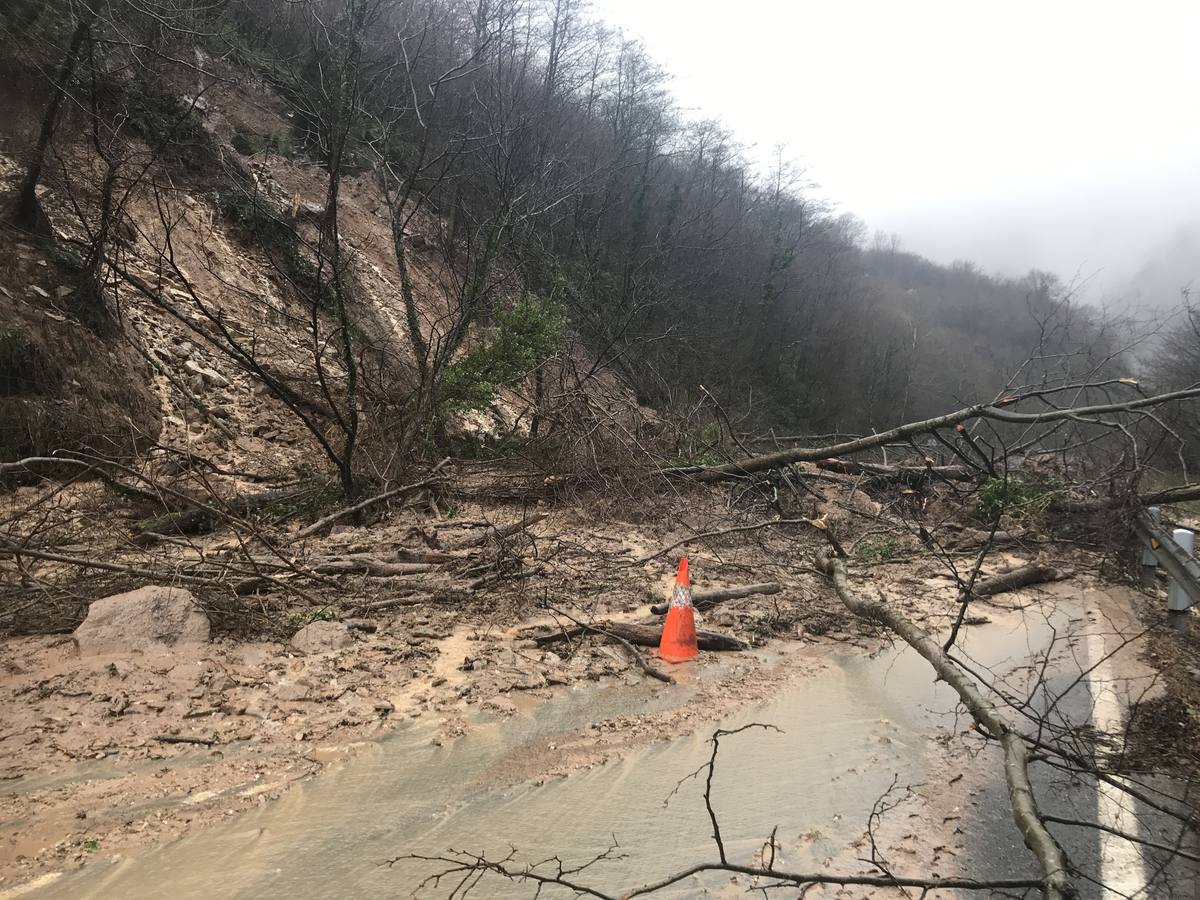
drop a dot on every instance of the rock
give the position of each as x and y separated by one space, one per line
500 704
149 619
864 505
320 637
291 692
208 376
530 681
221 683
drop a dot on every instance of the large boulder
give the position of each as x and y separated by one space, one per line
322 636
148 620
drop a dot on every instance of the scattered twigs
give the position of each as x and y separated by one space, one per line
708 599
1056 884
631 650
498 533
324 522
203 518
710 770
966 588
737 529
1174 850
214 577
464 867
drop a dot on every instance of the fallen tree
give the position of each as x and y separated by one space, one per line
1056 884
990 411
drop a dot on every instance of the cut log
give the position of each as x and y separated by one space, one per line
643 636
709 599
429 593
969 538
1016 579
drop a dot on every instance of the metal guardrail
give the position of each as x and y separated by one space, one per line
1181 566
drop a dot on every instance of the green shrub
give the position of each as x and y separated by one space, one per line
699 448
877 549
300 619
1020 499
522 337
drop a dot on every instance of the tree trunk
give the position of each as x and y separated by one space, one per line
27 213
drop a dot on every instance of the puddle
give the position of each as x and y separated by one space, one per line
848 732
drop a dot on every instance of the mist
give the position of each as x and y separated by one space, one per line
1062 137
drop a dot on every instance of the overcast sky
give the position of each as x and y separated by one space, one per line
1057 134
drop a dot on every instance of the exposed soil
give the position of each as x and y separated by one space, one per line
1164 731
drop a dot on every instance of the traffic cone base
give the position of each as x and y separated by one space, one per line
678 643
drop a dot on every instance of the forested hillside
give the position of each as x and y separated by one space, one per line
531 170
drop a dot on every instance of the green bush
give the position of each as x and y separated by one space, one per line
700 448
522 337
1017 498
299 619
877 549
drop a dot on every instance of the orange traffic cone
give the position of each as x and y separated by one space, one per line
678 642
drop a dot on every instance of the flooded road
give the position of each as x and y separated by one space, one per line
856 728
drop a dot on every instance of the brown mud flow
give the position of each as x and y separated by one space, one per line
860 725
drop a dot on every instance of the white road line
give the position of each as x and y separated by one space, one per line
1122 868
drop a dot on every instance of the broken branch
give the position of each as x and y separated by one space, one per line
708 599
1055 885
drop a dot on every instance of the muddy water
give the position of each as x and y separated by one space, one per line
847 733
